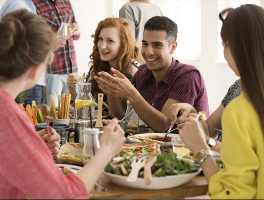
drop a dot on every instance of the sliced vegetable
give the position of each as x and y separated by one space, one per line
35 114
50 111
33 104
40 117
28 112
22 107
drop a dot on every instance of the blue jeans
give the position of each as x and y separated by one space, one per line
57 84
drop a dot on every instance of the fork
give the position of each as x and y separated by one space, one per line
167 133
136 166
195 118
127 114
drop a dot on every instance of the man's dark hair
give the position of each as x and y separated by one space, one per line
161 23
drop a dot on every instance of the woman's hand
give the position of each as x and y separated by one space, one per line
182 110
53 142
113 137
71 81
192 134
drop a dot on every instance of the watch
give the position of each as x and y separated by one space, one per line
211 143
200 156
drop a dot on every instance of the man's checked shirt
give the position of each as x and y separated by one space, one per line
56 12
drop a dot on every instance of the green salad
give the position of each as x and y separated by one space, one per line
165 165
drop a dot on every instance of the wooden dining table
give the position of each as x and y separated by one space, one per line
195 187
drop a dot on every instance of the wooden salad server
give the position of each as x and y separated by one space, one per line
147 169
99 122
136 166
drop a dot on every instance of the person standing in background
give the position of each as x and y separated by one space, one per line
38 91
55 13
138 12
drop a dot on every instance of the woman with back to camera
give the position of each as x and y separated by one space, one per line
27 168
114 47
243 119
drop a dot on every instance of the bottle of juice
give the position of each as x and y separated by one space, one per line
84 100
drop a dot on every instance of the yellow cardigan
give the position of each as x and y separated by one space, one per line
242 153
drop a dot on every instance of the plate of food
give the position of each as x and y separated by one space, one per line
138 149
155 137
168 171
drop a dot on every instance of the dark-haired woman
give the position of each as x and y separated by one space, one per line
27 168
243 119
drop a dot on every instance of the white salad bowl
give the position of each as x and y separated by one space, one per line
157 183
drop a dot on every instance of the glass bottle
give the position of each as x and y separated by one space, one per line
91 144
62 32
132 117
84 100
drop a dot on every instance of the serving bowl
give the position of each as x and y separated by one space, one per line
164 182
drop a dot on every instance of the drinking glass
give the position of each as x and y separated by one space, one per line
179 147
80 77
62 32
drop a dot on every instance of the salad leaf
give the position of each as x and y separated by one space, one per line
165 165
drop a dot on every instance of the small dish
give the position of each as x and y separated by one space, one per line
61 121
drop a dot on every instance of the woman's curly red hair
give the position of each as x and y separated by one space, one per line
128 52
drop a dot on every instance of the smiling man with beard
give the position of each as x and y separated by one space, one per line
159 83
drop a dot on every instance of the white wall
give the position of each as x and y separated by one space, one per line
218 77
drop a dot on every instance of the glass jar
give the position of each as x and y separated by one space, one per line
179 147
91 144
84 100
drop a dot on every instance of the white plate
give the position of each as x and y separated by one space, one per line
72 168
159 134
157 183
